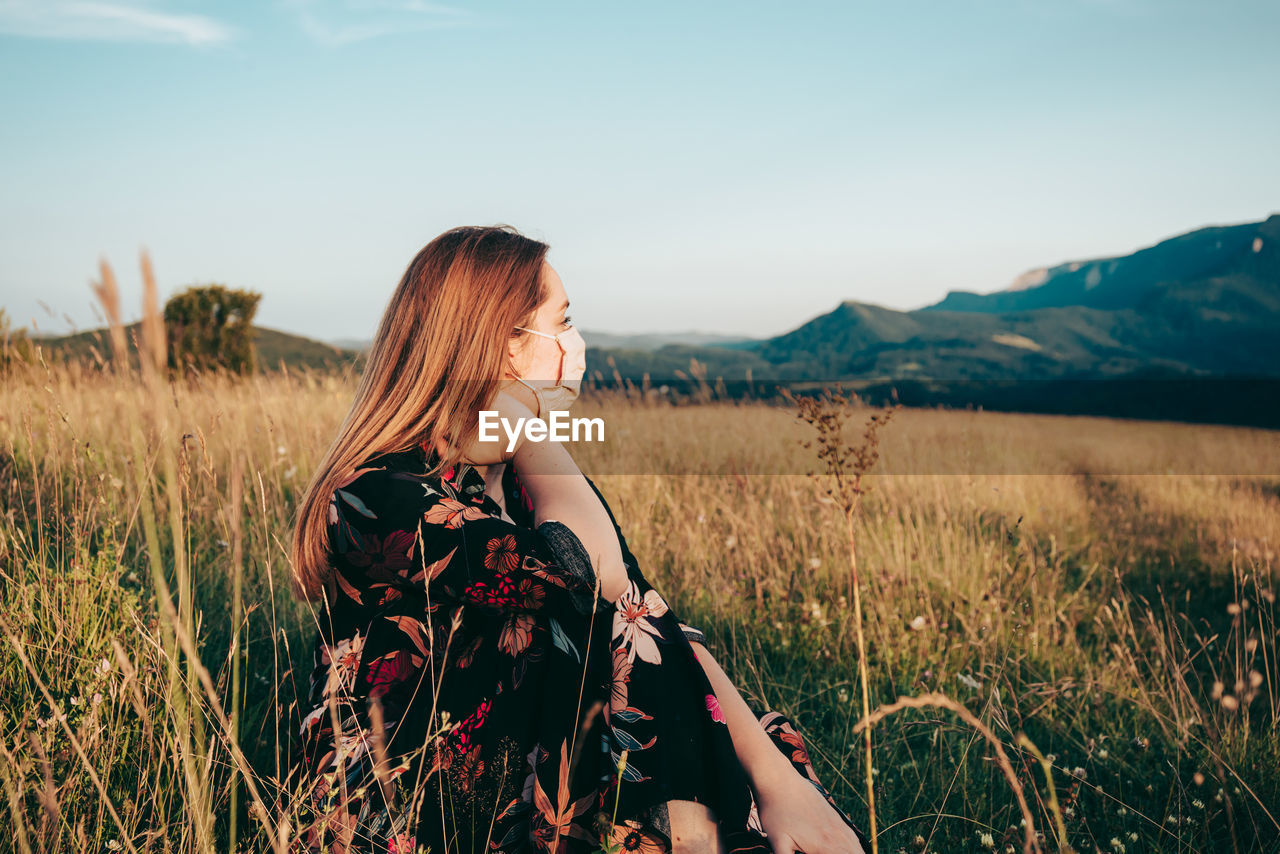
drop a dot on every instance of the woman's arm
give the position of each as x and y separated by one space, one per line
762 761
791 809
693 633
559 491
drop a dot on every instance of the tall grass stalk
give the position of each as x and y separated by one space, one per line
234 515
847 465
188 729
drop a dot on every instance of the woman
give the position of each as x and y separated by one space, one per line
492 670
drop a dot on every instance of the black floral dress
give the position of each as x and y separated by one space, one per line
471 690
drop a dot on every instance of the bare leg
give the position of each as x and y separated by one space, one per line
693 829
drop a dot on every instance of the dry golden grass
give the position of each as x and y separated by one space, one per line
1101 591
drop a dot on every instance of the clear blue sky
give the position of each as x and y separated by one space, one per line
734 167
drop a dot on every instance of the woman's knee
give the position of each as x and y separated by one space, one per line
693 828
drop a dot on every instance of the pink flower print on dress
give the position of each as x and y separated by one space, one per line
401 843
631 623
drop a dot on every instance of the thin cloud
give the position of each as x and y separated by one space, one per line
339 22
90 21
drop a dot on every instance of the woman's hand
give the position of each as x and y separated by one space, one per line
796 817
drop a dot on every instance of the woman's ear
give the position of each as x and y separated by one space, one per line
515 350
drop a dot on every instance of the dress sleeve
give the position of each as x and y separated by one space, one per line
693 633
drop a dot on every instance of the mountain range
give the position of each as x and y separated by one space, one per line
1165 327
1201 304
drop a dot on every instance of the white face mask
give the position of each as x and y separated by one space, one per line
573 365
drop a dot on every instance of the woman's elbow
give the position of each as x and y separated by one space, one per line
613 578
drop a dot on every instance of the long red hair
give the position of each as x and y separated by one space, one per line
437 359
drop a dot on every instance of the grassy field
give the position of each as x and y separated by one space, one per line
1102 592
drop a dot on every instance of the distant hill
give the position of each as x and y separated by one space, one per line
273 348
1244 252
356 345
654 340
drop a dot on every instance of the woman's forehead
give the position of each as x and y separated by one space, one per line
556 294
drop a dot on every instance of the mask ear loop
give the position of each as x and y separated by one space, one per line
563 353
